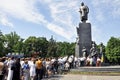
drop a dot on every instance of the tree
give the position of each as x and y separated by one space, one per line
37 45
72 49
42 46
65 48
12 40
13 43
1 44
113 50
29 45
52 48
18 47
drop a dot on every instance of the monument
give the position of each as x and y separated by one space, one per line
93 49
83 32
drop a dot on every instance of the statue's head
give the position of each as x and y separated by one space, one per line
82 4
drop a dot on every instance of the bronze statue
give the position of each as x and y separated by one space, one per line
101 48
93 50
84 51
77 40
84 10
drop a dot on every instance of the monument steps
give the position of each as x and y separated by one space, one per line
98 69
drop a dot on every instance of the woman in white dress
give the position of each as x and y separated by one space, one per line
10 72
32 69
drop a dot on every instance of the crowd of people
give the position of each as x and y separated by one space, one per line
38 68
30 68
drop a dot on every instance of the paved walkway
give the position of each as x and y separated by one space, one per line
97 69
89 77
83 77
116 66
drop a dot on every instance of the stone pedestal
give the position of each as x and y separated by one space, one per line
84 34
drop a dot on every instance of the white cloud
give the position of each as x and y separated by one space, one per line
22 9
63 11
27 10
104 8
116 8
103 14
62 14
4 21
59 30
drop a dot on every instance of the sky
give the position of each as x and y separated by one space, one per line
43 18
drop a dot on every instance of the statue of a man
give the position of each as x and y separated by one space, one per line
84 51
77 40
93 50
101 50
84 10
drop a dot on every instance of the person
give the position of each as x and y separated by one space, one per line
44 67
48 67
67 65
16 67
2 68
39 74
84 10
32 69
98 63
70 59
10 71
88 61
26 71
22 62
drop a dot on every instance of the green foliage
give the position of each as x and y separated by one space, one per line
42 46
1 44
52 48
12 40
113 50
56 49
65 48
33 44
13 43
